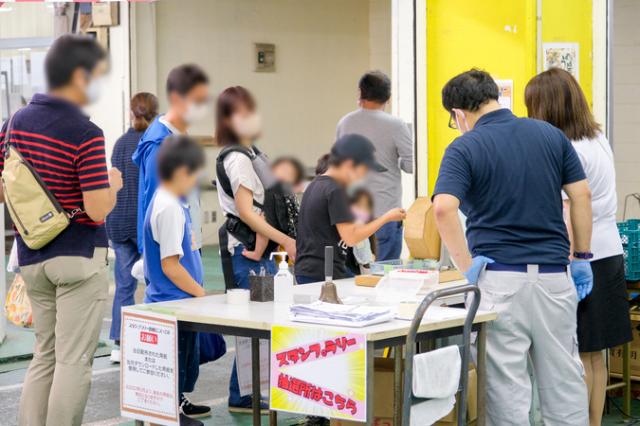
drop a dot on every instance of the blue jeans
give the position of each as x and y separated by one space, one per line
389 241
126 255
303 279
188 360
241 268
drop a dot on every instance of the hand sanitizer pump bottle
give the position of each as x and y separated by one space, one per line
282 281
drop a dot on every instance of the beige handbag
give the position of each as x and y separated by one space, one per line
35 212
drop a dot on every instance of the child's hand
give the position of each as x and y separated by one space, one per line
200 292
395 215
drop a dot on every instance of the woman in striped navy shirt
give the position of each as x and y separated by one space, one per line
121 223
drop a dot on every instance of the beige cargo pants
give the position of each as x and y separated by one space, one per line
68 296
536 318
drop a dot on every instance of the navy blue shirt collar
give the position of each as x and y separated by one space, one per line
56 102
502 114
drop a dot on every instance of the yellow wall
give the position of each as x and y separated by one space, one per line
498 36
572 21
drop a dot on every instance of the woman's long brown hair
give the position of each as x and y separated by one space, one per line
229 101
556 97
144 107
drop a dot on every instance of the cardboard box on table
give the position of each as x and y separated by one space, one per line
383 398
420 231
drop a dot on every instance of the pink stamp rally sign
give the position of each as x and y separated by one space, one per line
318 372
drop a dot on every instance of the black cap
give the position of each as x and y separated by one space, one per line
359 149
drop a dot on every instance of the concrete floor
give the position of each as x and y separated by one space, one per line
103 405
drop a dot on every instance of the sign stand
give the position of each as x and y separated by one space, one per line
149 367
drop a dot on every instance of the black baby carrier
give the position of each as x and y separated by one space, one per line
280 207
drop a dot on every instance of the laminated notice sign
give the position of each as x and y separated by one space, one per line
149 367
319 372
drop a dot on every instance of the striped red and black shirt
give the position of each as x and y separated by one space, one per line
68 152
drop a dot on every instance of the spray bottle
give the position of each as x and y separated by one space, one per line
282 281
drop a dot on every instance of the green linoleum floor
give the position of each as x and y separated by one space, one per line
213 277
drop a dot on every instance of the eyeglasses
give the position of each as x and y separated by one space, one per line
452 122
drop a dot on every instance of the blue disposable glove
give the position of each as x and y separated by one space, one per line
477 265
582 277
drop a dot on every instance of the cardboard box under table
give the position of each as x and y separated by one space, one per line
255 320
383 398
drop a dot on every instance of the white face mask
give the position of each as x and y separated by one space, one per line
94 89
464 129
362 216
247 127
196 112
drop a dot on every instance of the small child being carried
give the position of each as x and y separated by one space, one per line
289 173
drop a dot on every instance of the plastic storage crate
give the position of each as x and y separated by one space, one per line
382 267
630 236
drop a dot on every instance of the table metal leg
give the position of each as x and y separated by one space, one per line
255 379
370 372
626 378
273 415
482 374
397 385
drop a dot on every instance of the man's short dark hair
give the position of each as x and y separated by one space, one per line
185 77
68 53
375 86
469 91
179 151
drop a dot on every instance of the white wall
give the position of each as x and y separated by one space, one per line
626 100
26 20
111 113
321 50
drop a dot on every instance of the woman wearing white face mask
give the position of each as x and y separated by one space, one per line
238 124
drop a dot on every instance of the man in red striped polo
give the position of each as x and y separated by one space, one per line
67 279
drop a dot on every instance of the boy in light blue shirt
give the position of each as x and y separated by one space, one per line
172 263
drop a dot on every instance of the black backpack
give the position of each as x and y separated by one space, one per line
280 205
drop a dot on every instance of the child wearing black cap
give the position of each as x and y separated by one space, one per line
325 213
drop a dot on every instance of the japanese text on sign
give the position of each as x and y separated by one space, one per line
318 372
149 367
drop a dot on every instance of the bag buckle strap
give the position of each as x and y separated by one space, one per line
75 212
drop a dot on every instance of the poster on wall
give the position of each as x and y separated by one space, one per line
319 372
565 56
505 98
149 367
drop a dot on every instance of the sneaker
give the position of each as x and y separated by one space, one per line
248 409
189 409
188 421
115 355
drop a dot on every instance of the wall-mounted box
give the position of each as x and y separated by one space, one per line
265 57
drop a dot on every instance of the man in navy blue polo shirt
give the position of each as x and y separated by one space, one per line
66 280
506 174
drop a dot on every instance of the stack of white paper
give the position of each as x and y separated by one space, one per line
347 315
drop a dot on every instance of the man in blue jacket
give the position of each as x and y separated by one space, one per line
189 102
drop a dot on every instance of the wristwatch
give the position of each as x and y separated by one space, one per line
586 255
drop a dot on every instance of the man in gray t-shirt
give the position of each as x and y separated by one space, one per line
394 150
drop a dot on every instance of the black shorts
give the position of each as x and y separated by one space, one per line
603 316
